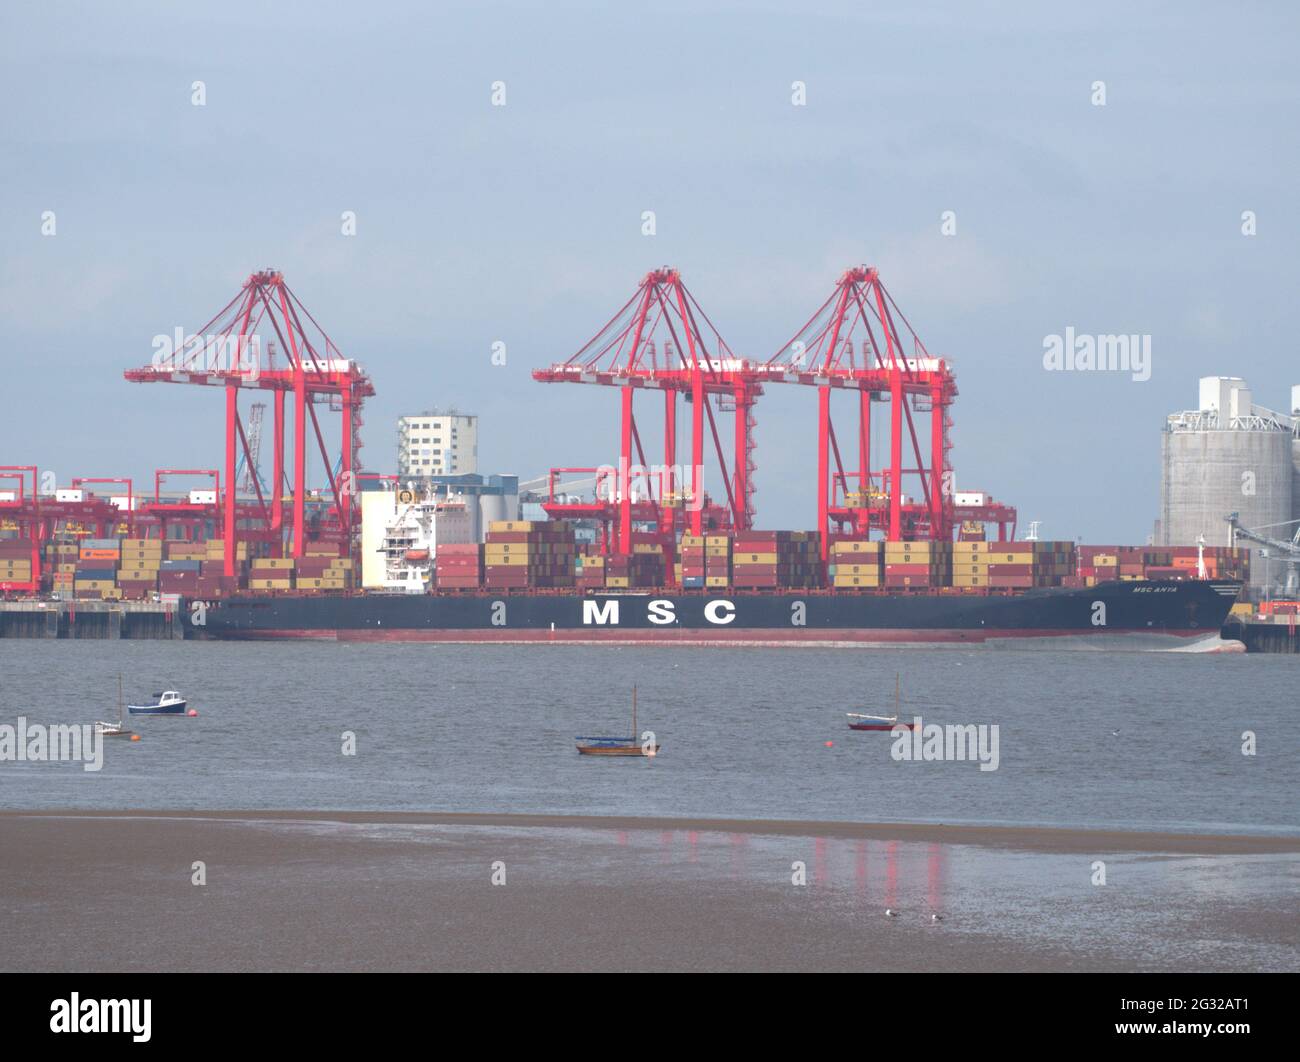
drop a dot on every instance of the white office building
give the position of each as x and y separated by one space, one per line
437 444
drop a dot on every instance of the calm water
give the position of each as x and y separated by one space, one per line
744 732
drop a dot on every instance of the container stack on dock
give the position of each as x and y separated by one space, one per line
775 560
916 565
519 554
142 560
857 563
96 570
458 566
15 561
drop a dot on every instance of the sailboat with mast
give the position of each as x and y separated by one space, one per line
617 746
117 729
864 721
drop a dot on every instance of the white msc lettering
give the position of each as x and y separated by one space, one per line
712 609
600 612
661 612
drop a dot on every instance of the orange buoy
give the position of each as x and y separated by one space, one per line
192 713
135 737
830 744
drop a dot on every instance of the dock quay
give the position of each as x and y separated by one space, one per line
156 621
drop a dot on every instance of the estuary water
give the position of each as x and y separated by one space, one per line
1130 741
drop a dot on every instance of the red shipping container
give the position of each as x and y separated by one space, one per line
908 569
755 581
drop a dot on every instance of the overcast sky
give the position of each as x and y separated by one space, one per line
523 223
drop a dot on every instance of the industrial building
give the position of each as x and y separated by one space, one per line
1232 455
437 443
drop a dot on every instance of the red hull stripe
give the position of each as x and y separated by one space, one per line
684 636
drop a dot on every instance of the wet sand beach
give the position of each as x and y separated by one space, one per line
414 891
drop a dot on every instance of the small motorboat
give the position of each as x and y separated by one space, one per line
617 746
117 729
169 702
863 721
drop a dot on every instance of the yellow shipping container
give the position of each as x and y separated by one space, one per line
856 580
617 580
270 584
856 569
717 580
95 584
514 525
717 540
856 547
273 564
756 558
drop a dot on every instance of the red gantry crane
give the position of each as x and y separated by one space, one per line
228 352
691 358
854 342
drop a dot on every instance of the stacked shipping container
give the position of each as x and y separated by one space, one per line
529 553
1012 565
776 559
15 561
142 560
458 566
918 564
644 566
1098 564
856 562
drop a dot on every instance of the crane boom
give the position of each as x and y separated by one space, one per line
1289 549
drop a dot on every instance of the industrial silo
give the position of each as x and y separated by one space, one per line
1295 454
1229 455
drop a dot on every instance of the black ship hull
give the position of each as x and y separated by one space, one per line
1181 616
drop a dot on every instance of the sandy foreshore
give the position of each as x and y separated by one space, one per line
284 890
1029 838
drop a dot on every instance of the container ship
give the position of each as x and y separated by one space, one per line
531 582
1140 616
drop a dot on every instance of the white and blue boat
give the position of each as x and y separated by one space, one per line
169 702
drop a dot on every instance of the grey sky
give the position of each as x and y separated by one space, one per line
522 223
